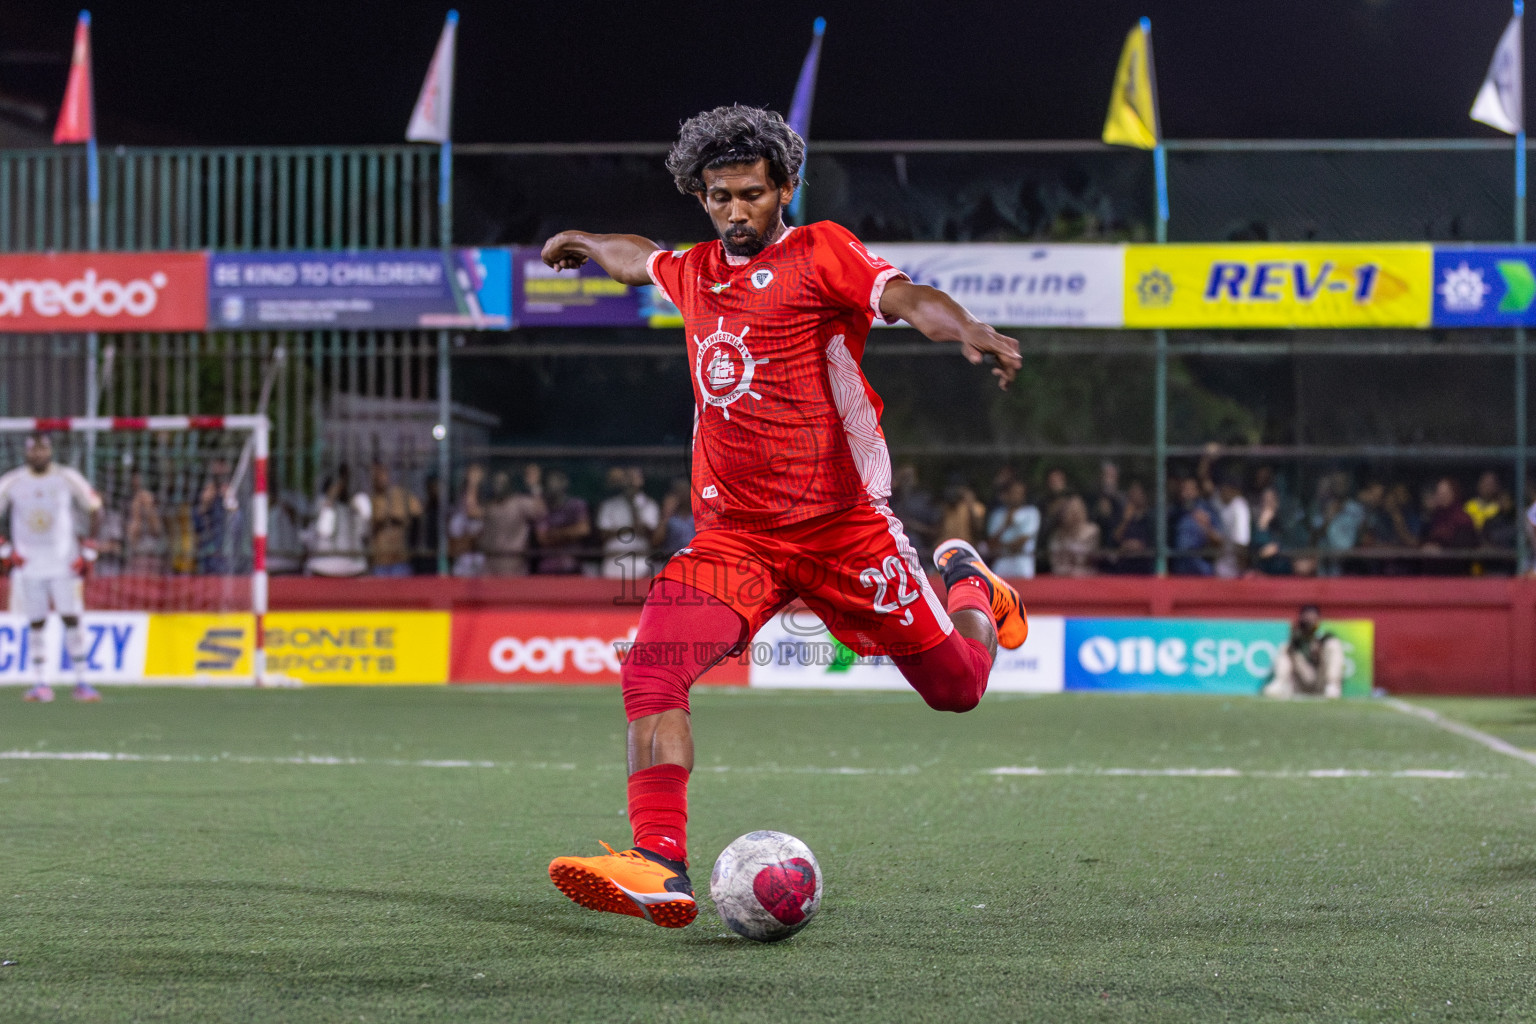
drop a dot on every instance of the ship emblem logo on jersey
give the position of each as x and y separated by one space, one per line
725 368
762 278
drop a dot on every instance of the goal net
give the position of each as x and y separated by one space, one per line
178 589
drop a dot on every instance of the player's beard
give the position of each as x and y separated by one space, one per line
744 239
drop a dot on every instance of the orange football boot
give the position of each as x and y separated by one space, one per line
635 882
956 560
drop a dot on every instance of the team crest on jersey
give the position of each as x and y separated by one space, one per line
40 521
724 368
762 278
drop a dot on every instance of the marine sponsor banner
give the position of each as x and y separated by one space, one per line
1013 285
1264 285
558 646
588 297
78 291
461 288
796 651
1227 656
365 647
1480 286
116 644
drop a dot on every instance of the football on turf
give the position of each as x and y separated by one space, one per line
766 886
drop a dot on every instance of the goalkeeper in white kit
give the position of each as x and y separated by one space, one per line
46 557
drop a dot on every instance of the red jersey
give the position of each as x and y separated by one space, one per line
786 428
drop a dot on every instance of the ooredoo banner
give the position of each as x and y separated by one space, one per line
77 291
1011 285
558 646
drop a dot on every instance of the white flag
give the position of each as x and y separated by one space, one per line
433 115
1500 102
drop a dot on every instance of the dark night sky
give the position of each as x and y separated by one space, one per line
328 72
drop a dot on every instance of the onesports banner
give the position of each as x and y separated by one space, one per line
460 288
1480 286
1011 285
77 291
1227 656
1264 285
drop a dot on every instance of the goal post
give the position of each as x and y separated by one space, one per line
160 538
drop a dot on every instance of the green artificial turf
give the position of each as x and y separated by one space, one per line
222 883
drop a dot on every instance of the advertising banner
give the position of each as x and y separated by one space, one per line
197 647
1268 285
1229 656
374 647
462 288
115 647
556 646
1478 286
794 650
78 291
587 297
1013 285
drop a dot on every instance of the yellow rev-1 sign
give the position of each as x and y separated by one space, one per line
1278 285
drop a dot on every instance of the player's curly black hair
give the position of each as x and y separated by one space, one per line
735 135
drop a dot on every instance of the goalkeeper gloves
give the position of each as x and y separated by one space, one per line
10 558
86 561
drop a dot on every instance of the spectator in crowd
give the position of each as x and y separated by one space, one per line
564 528
915 508
340 531
1236 525
1484 503
426 528
675 531
211 522
1266 539
1012 532
1132 538
465 525
111 540
144 534
508 522
1311 663
626 520
1057 491
1501 529
1336 521
1109 503
962 515
394 510
1449 528
285 529
1075 544
1405 527
1197 528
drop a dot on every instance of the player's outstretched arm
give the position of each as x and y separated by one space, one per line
622 256
941 318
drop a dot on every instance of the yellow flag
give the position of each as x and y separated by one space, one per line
1132 119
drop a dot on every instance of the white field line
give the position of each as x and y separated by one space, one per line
313 760
1475 735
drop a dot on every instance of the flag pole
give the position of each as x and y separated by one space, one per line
1522 539
445 343
1159 336
800 109
93 243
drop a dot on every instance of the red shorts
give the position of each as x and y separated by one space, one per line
855 569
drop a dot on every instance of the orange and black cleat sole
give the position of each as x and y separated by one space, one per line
588 888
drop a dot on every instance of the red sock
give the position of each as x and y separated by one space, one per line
658 809
971 592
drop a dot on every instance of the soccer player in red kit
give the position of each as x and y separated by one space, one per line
790 480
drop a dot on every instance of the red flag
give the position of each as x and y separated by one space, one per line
77 117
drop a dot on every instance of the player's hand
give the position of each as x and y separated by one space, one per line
87 559
982 342
559 253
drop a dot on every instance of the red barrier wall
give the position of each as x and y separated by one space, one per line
1464 636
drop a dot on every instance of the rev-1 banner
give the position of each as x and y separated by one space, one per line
462 288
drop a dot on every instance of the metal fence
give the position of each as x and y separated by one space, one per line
353 396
